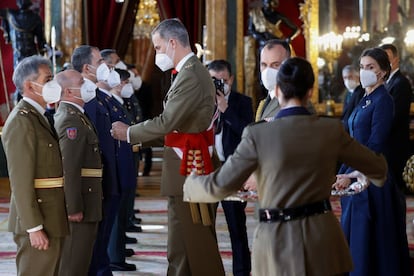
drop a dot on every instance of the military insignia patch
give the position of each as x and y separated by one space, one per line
72 132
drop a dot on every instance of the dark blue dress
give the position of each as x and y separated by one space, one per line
372 220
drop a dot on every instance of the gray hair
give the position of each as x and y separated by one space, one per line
172 28
82 55
28 70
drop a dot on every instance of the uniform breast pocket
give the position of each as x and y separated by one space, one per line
48 157
93 154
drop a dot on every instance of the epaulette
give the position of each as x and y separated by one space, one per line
258 122
25 111
73 111
188 66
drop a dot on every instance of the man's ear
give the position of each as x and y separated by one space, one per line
85 68
173 43
27 86
310 93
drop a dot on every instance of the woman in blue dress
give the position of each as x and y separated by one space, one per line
373 219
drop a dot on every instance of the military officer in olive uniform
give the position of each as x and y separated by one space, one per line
188 112
82 172
37 216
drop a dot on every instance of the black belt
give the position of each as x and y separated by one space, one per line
283 215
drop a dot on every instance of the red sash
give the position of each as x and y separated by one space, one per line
188 142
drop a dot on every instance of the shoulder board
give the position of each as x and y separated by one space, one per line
190 65
73 110
24 111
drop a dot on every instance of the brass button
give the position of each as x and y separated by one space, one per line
90 189
50 145
39 200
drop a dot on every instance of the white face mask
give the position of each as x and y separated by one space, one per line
368 78
269 76
114 79
50 91
127 91
87 91
350 84
121 65
163 61
226 89
135 80
91 85
102 72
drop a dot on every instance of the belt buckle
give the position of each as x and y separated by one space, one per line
268 215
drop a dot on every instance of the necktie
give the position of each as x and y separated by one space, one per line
51 121
173 75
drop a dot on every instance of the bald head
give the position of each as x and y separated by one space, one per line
70 81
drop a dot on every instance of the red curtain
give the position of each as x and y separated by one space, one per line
190 12
103 16
108 26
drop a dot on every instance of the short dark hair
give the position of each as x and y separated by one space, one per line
272 42
295 78
381 57
219 65
391 47
123 74
82 55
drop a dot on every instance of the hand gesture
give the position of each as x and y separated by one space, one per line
221 101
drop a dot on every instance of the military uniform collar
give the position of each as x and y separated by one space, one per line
119 99
35 104
291 111
183 61
75 105
106 92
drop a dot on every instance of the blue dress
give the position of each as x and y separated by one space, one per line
373 219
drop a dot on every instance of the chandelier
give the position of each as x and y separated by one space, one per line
330 48
147 18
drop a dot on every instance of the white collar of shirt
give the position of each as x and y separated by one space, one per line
35 104
182 61
272 94
106 92
392 74
119 99
75 105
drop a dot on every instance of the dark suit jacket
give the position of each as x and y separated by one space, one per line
238 114
98 112
123 150
400 89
